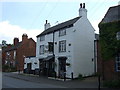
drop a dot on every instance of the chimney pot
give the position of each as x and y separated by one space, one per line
46 25
83 5
80 5
24 37
46 21
16 40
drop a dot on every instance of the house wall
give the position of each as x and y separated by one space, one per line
81 52
26 49
83 42
69 50
57 38
10 58
32 60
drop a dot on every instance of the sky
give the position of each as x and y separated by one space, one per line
28 16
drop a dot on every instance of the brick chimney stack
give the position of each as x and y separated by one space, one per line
24 37
15 41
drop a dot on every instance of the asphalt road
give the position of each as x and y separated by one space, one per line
9 82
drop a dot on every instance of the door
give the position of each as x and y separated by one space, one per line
29 66
62 68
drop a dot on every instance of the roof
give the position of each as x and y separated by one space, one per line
66 24
13 47
48 58
113 14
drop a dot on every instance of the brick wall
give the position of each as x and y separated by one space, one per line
28 48
106 67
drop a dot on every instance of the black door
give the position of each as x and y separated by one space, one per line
62 67
29 65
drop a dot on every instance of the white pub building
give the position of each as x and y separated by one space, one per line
65 49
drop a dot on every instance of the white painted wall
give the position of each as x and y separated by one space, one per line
69 51
83 43
80 53
32 60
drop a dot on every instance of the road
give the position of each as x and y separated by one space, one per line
10 82
15 80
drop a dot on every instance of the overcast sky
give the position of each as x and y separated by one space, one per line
18 17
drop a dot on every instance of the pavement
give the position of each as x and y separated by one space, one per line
89 82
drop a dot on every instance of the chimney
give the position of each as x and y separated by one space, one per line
119 3
15 41
82 10
47 25
24 37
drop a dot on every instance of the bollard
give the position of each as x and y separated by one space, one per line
55 75
34 72
39 73
72 75
64 76
98 82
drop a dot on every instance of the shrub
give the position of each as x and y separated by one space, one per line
80 77
112 84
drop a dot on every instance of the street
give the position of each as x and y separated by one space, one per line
9 82
15 80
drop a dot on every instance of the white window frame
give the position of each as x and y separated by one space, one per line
42 49
118 64
62 32
62 46
42 38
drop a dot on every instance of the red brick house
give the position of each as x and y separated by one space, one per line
14 55
109 51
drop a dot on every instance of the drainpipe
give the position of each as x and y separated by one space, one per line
53 46
53 42
95 49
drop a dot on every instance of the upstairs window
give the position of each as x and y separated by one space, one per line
62 32
118 35
118 64
50 46
62 46
42 38
41 49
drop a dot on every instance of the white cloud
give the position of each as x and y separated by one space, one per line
9 31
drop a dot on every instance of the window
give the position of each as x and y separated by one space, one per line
118 35
42 38
62 32
62 46
14 54
41 49
50 46
118 64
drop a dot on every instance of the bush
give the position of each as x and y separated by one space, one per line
7 68
112 84
80 77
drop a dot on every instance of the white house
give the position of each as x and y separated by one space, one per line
67 48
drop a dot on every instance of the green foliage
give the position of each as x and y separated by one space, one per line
80 77
112 84
108 42
7 68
